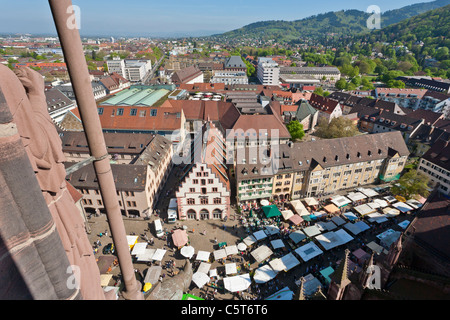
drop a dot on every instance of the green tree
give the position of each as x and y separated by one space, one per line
337 128
412 183
295 128
341 84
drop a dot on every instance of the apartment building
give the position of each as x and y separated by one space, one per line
328 108
268 71
132 70
331 74
297 170
435 164
229 77
138 182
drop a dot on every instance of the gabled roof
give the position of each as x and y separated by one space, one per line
304 109
439 154
323 104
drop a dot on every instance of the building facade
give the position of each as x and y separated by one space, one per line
268 71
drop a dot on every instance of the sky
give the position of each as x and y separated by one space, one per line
172 17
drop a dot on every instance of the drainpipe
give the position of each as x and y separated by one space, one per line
64 18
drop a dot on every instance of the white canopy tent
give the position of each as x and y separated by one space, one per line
204 267
287 214
230 268
368 192
264 274
277 265
311 231
299 207
159 254
308 251
340 201
261 253
139 248
187 251
200 279
356 196
311 201
230 250
381 202
213 273
146 256
249 240
402 206
203 255
237 283
364 209
414 203
242 246
219 254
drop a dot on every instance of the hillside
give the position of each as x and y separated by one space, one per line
344 22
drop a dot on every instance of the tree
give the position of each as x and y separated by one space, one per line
295 128
337 128
412 183
341 84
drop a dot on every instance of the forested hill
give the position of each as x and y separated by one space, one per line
344 22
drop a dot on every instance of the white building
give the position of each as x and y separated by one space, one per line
229 77
268 71
132 70
204 192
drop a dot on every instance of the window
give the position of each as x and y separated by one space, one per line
210 181
133 112
191 189
203 190
119 111
195 181
214 189
217 200
153 112
190 201
142 113
204 201
100 111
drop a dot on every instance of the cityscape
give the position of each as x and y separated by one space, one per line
245 155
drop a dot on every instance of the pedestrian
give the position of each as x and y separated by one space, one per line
204 232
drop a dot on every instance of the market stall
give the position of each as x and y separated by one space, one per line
298 207
271 211
179 238
360 255
296 219
368 192
146 256
340 201
237 283
259 235
311 201
337 220
326 226
289 261
264 274
364 209
283 294
331 208
350 216
310 285
391 212
139 248
187 251
249 240
287 214
219 254
308 251
230 268
277 244
231 250
311 231
403 207
200 279
159 254
204 267
261 253
326 274
152 275
271 230
356 196
203 255
376 217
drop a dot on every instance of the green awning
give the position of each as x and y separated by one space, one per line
271 211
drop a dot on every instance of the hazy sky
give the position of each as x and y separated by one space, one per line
196 17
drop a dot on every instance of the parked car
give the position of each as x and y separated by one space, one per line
108 249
